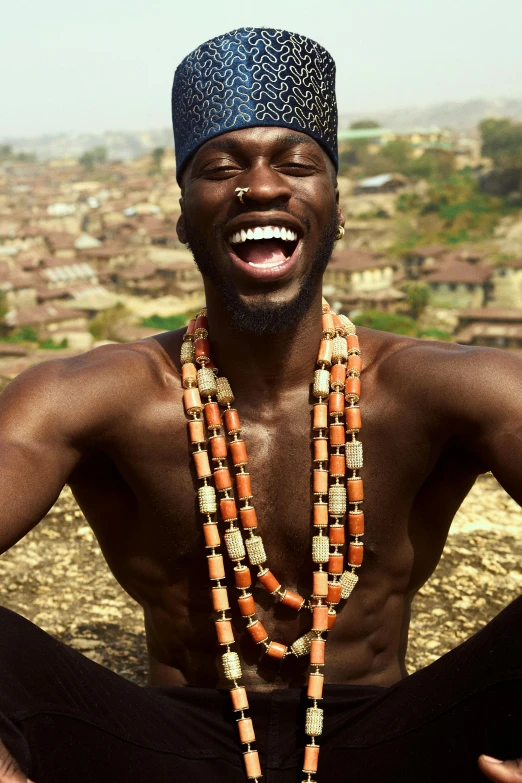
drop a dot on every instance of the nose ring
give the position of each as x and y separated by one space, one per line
240 192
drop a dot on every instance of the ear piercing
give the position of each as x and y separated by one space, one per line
240 192
340 232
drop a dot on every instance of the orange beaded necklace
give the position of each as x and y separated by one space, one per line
336 380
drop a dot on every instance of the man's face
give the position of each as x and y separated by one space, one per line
265 256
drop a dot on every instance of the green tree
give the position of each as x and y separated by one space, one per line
93 157
417 298
167 322
364 124
157 158
387 322
6 152
398 152
502 141
106 324
4 308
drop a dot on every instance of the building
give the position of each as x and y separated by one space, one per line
491 327
506 282
357 279
460 285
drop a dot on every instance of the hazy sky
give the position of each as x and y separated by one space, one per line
108 64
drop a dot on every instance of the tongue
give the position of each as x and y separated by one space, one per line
262 251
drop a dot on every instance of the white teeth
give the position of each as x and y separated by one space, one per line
263 232
267 266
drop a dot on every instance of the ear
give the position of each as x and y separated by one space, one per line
340 217
180 225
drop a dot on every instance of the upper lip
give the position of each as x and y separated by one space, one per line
251 220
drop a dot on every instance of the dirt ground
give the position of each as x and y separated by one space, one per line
57 578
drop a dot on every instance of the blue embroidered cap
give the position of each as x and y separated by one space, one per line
254 77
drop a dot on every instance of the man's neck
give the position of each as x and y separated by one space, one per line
264 364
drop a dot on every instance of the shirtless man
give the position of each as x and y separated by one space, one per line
110 423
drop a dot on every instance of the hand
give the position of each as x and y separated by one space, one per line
10 771
501 771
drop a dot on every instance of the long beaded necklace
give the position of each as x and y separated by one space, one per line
336 382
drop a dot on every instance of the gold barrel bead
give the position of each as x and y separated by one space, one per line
207 500
321 383
256 550
224 391
206 382
188 352
339 348
348 581
320 549
301 646
337 500
234 544
231 665
314 721
354 455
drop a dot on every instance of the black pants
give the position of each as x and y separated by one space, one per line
68 719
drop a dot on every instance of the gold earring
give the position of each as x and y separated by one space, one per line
240 192
340 233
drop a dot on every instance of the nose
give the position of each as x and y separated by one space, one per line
266 186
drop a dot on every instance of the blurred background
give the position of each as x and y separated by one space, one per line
430 100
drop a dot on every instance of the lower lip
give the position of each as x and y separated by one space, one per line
268 273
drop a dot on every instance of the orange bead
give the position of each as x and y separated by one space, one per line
337 437
216 567
328 324
212 415
191 326
356 523
202 349
325 352
321 514
239 698
338 375
201 322
244 485
335 564
202 464
355 554
293 600
320 416
248 516
320 583
228 508
220 601
354 363
353 342
189 375
246 730
192 400
211 534
320 618
257 632
334 593
218 447
224 632
311 758
196 431
336 404
321 481
317 652
332 617
337 323
223 478
352 387
269 581
252 765
277 650
247 605
320 449
238 452
336 535
242 576
355 490
231 418
352 418
337 465
315 686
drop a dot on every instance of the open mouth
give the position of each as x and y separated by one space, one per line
264 247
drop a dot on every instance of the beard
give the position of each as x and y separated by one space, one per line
264 317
